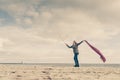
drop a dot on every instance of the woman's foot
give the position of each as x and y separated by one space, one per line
76 65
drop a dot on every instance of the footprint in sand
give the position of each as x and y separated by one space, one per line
13 72
19 76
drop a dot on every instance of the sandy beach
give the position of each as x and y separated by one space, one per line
38 72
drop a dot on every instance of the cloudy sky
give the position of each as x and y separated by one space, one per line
35 30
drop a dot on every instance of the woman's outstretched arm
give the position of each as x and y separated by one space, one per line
68 45
80 42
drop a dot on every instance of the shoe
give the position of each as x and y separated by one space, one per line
76 65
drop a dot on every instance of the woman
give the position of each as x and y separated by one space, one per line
75 51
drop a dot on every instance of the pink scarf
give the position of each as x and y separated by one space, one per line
97 51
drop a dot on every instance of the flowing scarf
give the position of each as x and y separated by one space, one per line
97 51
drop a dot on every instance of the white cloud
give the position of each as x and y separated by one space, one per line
50 22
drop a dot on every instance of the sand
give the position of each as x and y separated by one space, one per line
37 72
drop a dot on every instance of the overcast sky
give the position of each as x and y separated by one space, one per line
35 30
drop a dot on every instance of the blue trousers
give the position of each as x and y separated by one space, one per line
76 59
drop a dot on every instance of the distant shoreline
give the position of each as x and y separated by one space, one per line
65 64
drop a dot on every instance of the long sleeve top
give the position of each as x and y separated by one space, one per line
75 47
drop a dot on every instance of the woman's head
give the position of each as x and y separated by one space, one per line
74 42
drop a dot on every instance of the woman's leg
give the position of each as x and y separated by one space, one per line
76 60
